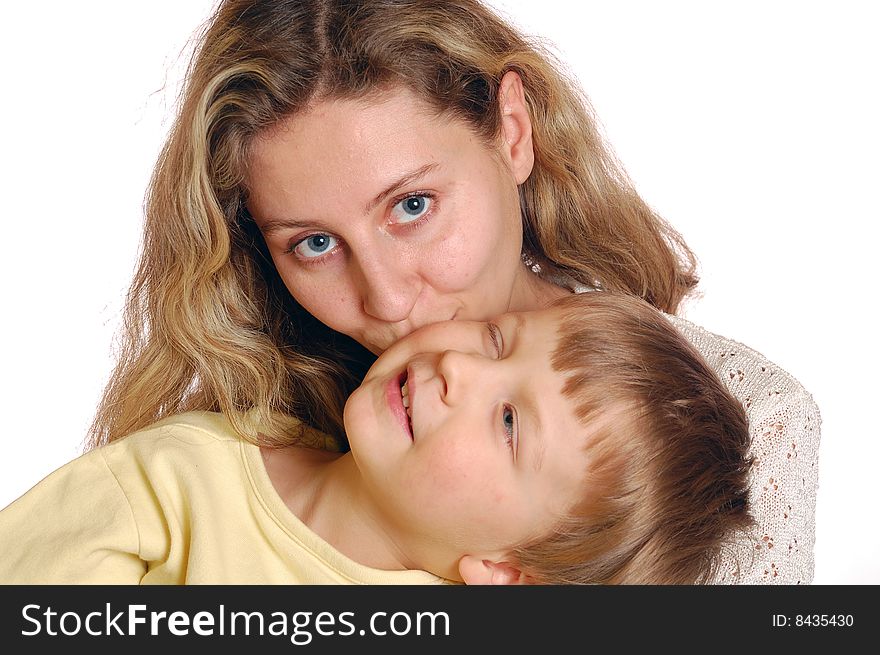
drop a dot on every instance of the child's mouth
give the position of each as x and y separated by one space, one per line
404 396
397 396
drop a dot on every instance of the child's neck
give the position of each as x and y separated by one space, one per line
323 490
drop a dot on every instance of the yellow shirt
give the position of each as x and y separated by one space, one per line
184 501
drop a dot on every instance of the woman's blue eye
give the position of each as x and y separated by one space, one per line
315 245
411 208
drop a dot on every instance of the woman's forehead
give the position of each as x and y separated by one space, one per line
385 106
357 147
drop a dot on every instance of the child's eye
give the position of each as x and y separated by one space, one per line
497 340
411 208
314 245
508 418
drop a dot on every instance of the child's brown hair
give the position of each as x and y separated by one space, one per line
668 472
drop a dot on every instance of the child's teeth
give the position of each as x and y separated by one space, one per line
404 392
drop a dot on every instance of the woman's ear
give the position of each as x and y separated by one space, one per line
477 571
516 126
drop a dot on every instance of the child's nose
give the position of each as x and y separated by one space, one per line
462 373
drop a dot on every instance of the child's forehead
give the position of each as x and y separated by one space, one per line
535 322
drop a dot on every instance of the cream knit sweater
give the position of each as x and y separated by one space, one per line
784 424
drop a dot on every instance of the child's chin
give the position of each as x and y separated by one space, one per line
354 410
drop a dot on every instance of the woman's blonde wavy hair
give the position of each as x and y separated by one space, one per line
208 324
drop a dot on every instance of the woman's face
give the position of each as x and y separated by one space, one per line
382 217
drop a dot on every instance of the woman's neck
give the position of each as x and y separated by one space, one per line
531 291
324 491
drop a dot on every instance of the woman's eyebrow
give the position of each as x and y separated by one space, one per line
276 225
272 226
408 178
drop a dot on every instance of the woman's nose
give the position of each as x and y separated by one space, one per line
388 289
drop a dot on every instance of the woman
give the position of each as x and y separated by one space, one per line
342 173
387 99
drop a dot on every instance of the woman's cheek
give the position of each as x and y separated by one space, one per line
461 256
329 298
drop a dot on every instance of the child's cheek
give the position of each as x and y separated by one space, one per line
470 479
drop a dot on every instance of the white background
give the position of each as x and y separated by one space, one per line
752 127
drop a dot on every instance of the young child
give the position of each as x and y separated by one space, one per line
583 443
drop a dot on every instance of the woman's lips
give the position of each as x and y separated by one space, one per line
395 402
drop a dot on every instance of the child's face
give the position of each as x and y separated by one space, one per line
494 455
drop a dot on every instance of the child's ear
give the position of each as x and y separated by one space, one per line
477 571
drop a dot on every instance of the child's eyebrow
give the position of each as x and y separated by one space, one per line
535 429
539 449
536 436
